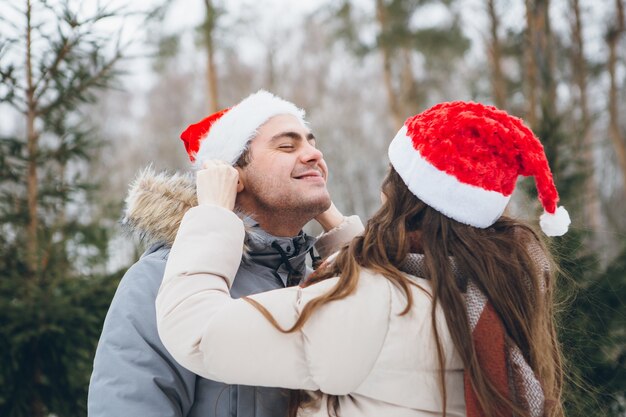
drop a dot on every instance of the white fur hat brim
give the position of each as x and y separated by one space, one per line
230 135
462 202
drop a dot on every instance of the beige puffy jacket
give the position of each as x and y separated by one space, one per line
359 348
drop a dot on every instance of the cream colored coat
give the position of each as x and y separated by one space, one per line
359 348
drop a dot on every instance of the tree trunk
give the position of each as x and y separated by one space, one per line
612 39
531 65
498 82
591 202
211 69
409 88
542 87
392 98
37 408
270 59
546 61
32 137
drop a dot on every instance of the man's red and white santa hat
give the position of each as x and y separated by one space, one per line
225 135
463 159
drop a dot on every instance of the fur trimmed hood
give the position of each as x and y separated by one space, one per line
156 204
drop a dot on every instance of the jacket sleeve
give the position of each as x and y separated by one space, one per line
133 373
331 241
231 341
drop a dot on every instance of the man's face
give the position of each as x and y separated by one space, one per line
286 173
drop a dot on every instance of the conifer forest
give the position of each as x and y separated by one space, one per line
92 92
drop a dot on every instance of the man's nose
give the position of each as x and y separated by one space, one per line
311 154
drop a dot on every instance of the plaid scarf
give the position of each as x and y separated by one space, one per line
499 357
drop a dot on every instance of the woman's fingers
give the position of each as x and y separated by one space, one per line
216 184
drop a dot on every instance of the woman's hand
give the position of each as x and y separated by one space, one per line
330 219
216 184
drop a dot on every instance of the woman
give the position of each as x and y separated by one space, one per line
441 307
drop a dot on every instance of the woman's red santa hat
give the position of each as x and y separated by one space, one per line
463 159
225 135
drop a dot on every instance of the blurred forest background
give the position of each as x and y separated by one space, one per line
93 91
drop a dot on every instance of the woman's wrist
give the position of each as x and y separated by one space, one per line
330 219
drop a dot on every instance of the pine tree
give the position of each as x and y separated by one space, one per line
54 285
592 318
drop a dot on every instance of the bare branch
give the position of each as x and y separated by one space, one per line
11 23
15 7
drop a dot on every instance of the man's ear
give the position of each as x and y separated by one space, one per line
241 180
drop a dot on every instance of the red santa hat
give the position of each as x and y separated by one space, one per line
463 159
225 135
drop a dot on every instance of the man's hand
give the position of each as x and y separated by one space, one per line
330 219
216 184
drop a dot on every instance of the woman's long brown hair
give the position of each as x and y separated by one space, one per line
507 262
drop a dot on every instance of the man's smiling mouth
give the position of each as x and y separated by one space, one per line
309 175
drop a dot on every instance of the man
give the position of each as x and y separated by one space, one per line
282 186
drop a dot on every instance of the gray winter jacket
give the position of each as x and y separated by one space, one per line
133 373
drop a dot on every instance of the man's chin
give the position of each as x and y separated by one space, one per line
320 205
327 204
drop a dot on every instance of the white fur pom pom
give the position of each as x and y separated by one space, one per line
555 224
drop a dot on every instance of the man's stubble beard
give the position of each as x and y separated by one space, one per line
288 205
